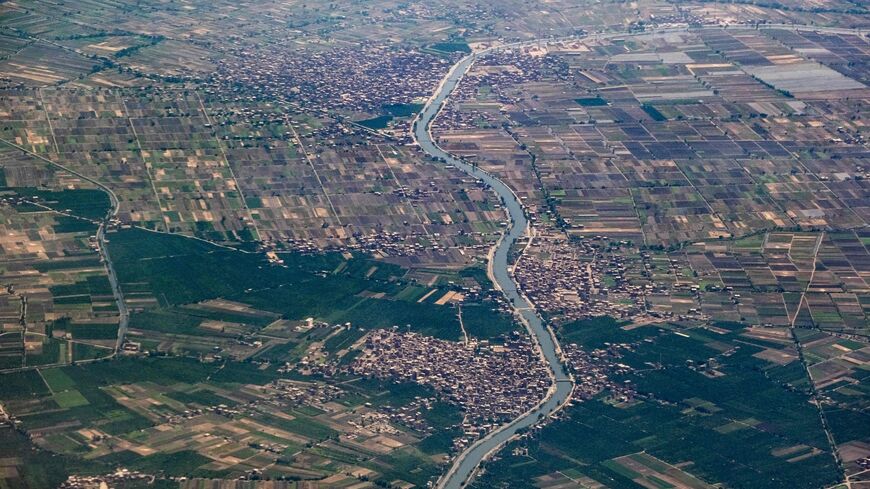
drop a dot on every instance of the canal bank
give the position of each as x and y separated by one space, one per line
499 268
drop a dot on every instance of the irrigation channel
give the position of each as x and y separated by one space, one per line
466 463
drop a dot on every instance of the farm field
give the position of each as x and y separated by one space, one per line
57 305
666 139
184 418
698 391
229 261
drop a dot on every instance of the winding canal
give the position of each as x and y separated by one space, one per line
465 465
467 462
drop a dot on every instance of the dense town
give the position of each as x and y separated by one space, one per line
491 382
353 81
571 281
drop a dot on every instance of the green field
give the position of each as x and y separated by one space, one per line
57 380
403 110
682 416
87 203
591 102
70 399
180 271
380 122
452 47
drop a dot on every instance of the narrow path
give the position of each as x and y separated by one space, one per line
147 166
313 168
402 189
799 347
461 324
226 159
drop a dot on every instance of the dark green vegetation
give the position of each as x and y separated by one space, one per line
202 398
653 112
178 319
848 425
379 122
183 463
591 102
445 419
390 112
87 203
22 385
452 47
35 468
180 271
85 397
403 110
94 331
737 423
482 321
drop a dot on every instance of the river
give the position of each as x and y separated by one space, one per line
467 462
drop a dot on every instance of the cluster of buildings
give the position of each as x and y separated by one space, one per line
492 383
120 478
594 371
570 281
188 414
417 247
376 422
360 79
294 393
384 243
410 415
499 73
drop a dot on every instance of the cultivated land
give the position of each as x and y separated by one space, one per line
308 297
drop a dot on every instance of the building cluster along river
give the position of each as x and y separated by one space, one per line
500 270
